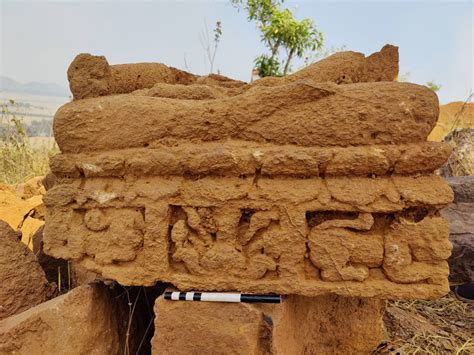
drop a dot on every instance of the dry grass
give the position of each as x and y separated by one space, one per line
19 161
443 326
461 161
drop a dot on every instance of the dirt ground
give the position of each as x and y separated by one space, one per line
442 326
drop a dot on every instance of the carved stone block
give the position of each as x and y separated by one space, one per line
306 185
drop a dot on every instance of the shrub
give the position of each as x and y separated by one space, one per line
19 161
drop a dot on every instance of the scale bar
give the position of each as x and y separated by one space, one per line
221 297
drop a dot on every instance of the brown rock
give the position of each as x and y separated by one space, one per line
352 67
205 327
461 234
82 321
185 92
209 233
14 209
92 76
52 267
71 274
461 262
286 185
30 188
299 325
22 207
23 283
296 113
460 217
463 188
49 180
238 158
28 228
327 325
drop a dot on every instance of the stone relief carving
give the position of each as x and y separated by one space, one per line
111 234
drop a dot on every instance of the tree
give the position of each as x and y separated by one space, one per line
210 48
280 31
433 86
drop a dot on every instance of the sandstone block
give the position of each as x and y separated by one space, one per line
14 209
327 325
317 183
92 76
205 327
70 274
299 325
82 321
238 158
23 282
276 235
352 67
32 187
296 113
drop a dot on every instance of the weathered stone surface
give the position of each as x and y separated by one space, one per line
463 188
92 76
461 234
239 158
30 188
266 236
205 327
351 67
71 274
299 325
461 262
460 217
21 206
83 321
23 283
296 113
52 267
13 209
296 185
327 325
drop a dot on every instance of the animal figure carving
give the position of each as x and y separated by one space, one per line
413 248
344 249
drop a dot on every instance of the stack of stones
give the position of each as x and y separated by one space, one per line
317 185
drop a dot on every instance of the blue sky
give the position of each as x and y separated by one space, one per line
39 39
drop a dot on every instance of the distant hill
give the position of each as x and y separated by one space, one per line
33 88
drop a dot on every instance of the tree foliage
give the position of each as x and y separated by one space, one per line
433 86
280 32
210 48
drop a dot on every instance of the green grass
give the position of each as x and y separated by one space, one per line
19 161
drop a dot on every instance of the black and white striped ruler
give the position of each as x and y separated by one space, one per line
221 297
